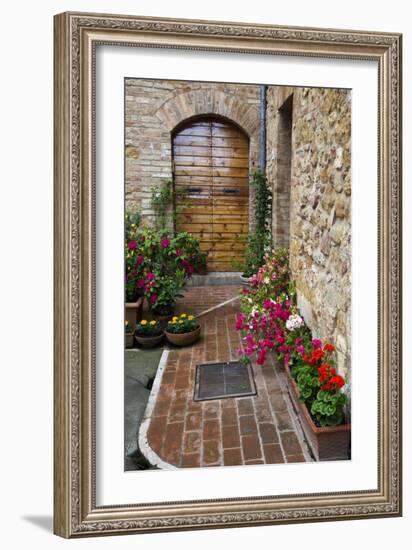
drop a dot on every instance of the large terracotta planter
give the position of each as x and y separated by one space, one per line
183 339
149 341
328 443
133 311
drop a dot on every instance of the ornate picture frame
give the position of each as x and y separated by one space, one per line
76 36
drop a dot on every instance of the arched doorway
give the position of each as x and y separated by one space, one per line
211 176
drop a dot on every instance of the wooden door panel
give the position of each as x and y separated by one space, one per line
211 173
230 162
231 152
230 180
193 160
198 141
198 151
227 142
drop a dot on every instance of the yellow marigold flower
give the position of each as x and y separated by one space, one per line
144 322
126 322
183 316
174 318
190 318
152 322
180 322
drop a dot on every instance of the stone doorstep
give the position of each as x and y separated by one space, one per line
217 278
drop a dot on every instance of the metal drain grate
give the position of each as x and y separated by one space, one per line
221 380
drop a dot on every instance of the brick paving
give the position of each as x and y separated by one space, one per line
201 298
222 432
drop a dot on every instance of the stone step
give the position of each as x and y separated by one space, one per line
215 278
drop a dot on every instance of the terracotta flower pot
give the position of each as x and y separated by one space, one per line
133 311
184 338
149 341
326 443
128 339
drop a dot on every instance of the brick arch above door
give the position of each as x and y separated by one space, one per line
216 99
185 105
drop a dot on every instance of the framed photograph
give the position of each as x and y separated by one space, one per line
227 274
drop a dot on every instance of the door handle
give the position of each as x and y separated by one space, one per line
230 190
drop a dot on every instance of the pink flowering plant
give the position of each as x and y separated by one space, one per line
270 322
158 265
271 280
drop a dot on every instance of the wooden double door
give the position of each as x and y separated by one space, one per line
211 179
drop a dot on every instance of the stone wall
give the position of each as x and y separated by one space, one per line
319 194
278 159
155 107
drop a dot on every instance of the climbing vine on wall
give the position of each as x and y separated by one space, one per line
162 203
260 239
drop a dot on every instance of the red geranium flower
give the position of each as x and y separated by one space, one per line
328 347
337 381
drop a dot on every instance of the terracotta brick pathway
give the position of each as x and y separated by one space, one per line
231 431
201 298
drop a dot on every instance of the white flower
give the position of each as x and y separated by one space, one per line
266 280
294 322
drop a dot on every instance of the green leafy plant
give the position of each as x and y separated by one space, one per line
158 264
163 203
327 408
184 323
191 251
259 240
132 223
307 381
165 292
148 328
